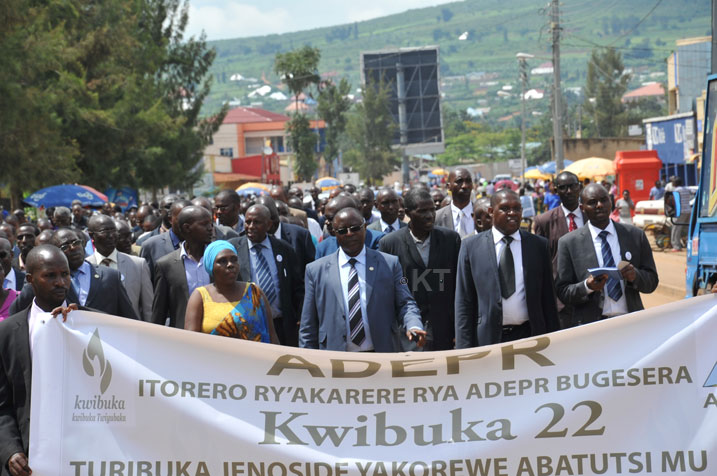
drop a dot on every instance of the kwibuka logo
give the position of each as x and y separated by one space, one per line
94 351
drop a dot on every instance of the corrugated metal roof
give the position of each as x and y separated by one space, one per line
243 115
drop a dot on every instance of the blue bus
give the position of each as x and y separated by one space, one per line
702 232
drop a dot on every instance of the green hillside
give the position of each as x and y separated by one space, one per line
497 30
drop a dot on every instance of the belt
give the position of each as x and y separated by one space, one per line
511 328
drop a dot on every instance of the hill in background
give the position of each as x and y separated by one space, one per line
497 30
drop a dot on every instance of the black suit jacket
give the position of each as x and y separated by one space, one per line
433 286
15 382
155 248
291 283
479 308
300 239
576 253
171 292
106 294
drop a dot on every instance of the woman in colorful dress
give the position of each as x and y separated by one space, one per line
229 307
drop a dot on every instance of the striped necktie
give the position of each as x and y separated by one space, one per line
263 274
613 285
358 333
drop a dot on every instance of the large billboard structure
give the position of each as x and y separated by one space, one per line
412 78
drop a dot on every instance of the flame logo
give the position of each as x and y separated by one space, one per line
94 351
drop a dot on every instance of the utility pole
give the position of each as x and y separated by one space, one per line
557 111
523 71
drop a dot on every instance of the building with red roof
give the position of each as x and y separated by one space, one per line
651 90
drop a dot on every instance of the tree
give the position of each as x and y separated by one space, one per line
606 83
332 108
299 70
370 131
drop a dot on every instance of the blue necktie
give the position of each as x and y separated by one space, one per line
263 274
613 285
389 228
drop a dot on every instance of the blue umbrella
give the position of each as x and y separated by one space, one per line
549 167
64 195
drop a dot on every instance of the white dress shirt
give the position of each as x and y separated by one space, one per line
610 308
463 219
579 220
112 257
515 308
344 270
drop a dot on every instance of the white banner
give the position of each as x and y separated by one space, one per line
630 395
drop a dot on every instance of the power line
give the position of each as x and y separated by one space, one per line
638 23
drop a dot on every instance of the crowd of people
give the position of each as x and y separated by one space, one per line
358 270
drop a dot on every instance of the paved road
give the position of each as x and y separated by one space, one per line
671 270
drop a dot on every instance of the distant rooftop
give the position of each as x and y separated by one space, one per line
243 115
649 90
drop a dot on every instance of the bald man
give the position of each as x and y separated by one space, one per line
48 272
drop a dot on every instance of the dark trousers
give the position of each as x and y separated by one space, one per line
511 333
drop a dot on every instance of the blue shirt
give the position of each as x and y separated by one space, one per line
657 193
268 253
194 272
551 200
83 276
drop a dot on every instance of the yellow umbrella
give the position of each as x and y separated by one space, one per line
592 168
439 171
253 188
535 173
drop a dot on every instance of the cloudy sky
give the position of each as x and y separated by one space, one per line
222 19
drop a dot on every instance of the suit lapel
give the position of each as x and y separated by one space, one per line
244 261
279 260
94 286
559 225
591 255
412 249
371 271
625 242
179 268
332 272
22 338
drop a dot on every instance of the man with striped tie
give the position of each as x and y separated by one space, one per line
356 298
274 266
603 244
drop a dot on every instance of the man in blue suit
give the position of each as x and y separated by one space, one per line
329 245
355 298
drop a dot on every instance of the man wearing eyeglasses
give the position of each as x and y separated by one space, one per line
559 221
96 287
356 298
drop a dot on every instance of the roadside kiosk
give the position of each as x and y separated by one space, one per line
637 171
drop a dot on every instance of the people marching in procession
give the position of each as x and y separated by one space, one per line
367 270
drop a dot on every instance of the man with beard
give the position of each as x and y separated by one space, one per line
603 244
504 289
429 258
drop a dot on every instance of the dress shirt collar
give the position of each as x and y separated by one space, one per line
32 320
595 231
577 212
428 237
266 243
10 280
184 255
344 258
497 235
396 225
112 256
467 210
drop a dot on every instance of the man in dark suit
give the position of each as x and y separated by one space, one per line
164 243
387 204
272 264
297 236
504 289
603 243
48 274
329 245
356 299
458 215
429 259
165 205
181 271
98 288
556 223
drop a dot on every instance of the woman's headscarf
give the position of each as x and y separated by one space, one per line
211 252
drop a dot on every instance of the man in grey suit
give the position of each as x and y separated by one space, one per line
458 216
133 270
504 289
603 243
355 298
387 204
